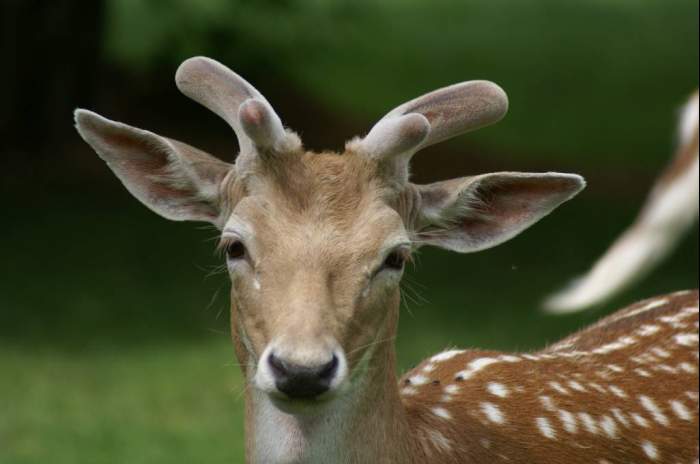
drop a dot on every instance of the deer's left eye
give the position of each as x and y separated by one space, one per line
235 250
395 260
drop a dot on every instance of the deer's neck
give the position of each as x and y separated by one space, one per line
367 424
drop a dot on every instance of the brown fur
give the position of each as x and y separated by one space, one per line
518 439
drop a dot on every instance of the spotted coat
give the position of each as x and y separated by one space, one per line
622 391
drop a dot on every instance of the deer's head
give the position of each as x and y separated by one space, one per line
316 243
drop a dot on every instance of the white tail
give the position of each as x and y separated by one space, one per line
672 207
316 244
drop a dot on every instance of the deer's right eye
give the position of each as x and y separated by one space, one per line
235 250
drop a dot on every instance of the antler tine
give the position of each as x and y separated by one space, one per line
446 113
224 92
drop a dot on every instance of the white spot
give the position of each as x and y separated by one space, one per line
650 450
408 391
497 389
485 443
623 342
569 421
588 422
531 357
615 368
476 366
430 367
557 386
620 416
419 380
642 372
666 368
509 358
577 386
660 352
546 428
692 395
656 413
640 420
439 440
446 355
609 426
617 391
649 306
597 387
548 403
647 330
681 411
442 412
687 339
451 389
493 413
687 367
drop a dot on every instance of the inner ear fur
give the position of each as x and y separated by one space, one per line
475 213
175 180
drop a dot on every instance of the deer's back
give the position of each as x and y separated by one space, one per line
622 390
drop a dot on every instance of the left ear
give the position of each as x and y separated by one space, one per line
175 180
475 213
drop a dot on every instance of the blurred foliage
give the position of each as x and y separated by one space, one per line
592 81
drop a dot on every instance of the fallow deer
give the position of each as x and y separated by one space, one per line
315 246
669 211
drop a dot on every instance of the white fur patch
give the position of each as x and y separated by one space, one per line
498 389
687 339
445 356
681 411
442 412
546 428
654 410
569 421
650 450
493 413
588 422
609 426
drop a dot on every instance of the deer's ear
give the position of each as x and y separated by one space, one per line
173 179
474 213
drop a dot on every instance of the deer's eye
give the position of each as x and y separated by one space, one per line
235 250
395 261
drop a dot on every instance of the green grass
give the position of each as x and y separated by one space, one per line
170 402
112 349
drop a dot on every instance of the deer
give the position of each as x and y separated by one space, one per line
671 208
315 245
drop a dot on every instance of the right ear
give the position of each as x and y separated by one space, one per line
175 180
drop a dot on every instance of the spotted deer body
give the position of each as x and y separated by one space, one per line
315 246
623 390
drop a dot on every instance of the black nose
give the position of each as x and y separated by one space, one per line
302 381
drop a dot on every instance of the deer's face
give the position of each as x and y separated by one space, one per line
315 265
315 244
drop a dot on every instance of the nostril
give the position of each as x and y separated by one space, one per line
327 372
277 365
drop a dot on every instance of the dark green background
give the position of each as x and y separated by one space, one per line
113 322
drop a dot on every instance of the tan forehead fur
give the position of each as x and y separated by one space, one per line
330 186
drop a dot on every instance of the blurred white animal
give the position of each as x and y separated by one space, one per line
670 209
